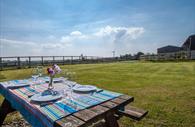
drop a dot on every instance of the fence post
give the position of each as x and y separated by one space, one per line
71 61
53 59
42 62
29 65
18 62
63 60
1 62
79 59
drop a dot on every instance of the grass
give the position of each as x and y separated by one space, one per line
167 90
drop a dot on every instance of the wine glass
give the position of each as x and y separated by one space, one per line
34 79
68 81
71 83
40 73
35 76
40 70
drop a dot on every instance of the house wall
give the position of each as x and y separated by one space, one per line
193 54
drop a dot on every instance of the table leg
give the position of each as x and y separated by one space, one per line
4 110
111 120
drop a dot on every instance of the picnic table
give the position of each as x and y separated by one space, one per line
83 110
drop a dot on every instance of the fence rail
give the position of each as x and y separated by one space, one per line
181 55
31 61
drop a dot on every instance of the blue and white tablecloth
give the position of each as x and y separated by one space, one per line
45 116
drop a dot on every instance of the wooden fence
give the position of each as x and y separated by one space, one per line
181 55
32 61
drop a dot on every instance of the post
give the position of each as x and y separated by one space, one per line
29 62
63 60
53 59
110 120
113 52
18 62
42 62
80 61
1 62
71 62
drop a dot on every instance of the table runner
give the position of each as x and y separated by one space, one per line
38 115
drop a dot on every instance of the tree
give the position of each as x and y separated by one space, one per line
137 56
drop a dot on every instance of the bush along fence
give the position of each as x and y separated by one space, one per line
18 62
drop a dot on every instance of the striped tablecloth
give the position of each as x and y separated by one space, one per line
44 115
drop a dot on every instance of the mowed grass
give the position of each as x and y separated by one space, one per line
166 90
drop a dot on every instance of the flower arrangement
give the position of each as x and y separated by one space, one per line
52 71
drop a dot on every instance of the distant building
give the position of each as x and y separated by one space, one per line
189 46
168 52
186 51
168 49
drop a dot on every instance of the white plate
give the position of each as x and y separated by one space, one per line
16 85
45 98
84 88
55 80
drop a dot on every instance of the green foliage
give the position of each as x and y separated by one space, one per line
166 89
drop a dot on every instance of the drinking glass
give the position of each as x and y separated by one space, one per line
40 70
34 81
70 85
35 75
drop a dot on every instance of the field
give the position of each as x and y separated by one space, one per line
165 89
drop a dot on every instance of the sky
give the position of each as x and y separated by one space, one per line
93 27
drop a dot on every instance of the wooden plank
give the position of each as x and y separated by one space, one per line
123 102
109 104
99 109
126 97
118 100
133 112
92 115
85 115
69 121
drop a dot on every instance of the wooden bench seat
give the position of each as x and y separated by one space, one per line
133 112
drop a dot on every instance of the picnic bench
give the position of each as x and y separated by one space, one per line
110 111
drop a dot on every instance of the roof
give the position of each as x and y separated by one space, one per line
189 43
168 49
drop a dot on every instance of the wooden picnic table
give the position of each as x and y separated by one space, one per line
106 110
110 111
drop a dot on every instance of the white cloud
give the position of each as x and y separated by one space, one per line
73 36
15 42
76 33
65 39
104 31
120 32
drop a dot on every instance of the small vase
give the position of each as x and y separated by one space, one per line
50 86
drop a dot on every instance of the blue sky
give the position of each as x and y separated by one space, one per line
93 27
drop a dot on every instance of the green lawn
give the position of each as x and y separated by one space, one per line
167 90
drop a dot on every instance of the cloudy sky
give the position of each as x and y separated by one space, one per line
93 27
